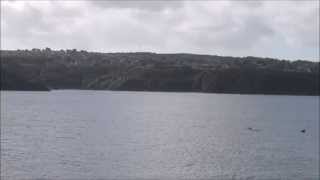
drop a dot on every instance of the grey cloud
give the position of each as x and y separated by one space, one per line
250 4
152 5
308 30
32 26
227 28
32 19
232 35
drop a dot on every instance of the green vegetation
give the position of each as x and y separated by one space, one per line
71 69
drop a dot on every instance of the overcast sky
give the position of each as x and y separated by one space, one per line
280 29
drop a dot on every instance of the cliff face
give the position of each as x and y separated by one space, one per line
42 69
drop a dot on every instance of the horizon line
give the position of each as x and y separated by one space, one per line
162 53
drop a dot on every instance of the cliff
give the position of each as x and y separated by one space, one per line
72 69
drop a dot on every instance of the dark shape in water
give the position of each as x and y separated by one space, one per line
303 131
253 129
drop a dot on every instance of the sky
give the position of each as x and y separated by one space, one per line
265 28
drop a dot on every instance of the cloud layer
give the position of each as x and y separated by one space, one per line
285 29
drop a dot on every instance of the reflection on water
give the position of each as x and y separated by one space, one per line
129 135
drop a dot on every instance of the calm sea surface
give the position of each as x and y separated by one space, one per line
132 135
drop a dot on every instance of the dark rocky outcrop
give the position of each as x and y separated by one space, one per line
71 69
